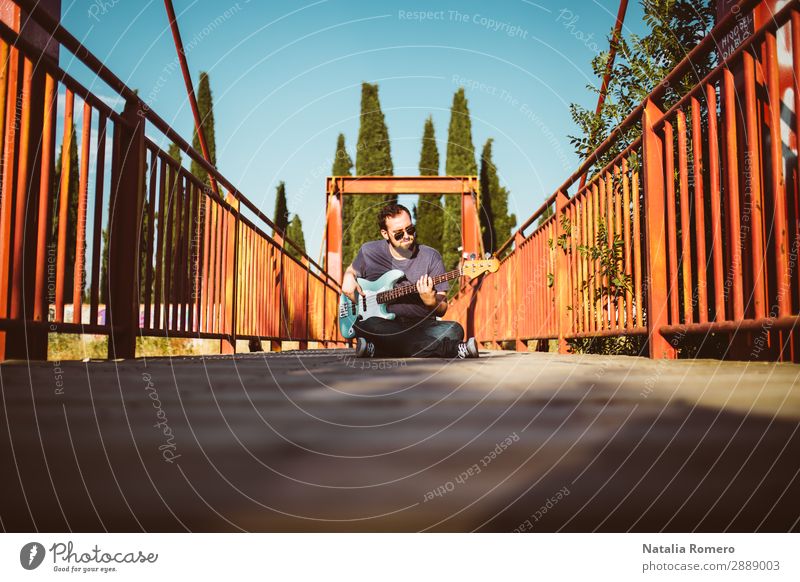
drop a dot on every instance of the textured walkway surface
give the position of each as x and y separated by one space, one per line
322 442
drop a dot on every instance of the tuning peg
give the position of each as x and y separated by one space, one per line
487 255
472 256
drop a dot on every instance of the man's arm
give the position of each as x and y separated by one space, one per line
349 283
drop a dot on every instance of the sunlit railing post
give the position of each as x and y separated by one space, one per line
308 308
561 281
235 269
276 345
655 235
519 295
126 205
229 250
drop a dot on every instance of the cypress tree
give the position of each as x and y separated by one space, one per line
175 153
295 232
460 162
429 214
172 220
343 166
373 158
281 216
205 106
172 186
72 212
496 223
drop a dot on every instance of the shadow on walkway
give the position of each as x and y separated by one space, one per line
319 441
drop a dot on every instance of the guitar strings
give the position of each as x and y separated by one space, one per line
372 300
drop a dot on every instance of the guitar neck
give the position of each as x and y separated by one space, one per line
408 289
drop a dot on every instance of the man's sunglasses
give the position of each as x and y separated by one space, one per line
409 230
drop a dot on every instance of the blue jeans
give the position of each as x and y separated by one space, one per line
404 338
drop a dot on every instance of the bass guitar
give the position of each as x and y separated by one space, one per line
381 291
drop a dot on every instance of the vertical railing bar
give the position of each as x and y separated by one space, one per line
20 210
63 208
573 265
756 204
618 233
169 251
626 203
83 194
149 241
602 210
197 259
97 233
202 316
261 288
591 221
609 203
186 251
796 90
190 293
780 226
180 248
585 282
223 266
637 246
180 268
732 194
249 269
187 302
597 281
41 299
716 203
8 99
214 260
672 221
699 212
234 324
578 204
223 270
160 290
686 233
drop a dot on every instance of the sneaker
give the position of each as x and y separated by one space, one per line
468 349
364 349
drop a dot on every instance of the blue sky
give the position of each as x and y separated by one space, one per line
286 80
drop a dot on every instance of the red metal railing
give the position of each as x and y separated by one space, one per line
694 228
179 260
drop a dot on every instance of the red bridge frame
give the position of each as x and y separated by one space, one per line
338 186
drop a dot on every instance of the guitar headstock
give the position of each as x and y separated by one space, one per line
478 267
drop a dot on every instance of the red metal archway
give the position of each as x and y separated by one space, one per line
337 186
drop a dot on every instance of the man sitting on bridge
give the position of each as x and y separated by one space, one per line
415 331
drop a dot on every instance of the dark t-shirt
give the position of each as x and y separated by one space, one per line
374 259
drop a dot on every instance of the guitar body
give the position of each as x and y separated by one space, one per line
363 308
381 291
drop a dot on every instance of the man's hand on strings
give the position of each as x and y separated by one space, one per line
350 286
426 291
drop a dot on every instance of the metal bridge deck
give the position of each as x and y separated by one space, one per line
317 441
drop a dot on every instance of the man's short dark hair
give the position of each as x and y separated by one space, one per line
389 211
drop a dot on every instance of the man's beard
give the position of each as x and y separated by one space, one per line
399 244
